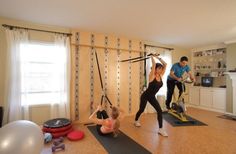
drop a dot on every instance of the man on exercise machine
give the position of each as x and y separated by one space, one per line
175 78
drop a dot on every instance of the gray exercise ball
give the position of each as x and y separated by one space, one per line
21 137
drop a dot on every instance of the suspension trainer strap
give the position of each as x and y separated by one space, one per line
99 71
130 59
141 59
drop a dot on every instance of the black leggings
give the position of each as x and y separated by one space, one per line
170 90
101 115
152 100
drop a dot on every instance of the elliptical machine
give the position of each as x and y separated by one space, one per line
178 108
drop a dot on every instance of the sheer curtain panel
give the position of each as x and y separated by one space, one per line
14 110
61 108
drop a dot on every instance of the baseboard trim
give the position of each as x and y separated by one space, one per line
205 108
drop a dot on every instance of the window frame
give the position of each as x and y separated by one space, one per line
41 43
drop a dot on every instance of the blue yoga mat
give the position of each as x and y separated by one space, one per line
122 144
176 122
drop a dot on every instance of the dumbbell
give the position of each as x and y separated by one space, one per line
58 141
58 147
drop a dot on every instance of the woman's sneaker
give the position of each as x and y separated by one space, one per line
162 132
137 124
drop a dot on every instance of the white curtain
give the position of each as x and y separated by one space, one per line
61 109
13 107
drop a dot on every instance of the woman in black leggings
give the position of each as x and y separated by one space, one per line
155 78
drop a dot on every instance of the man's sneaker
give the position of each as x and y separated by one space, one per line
165 109
162 132
137 124
167 106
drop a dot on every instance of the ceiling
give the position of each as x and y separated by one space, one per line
182 23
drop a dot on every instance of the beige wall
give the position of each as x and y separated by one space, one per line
178 53
2 64
231 54
231 64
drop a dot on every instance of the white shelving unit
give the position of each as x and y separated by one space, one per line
209 62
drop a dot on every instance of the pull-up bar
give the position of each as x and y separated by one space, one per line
141 58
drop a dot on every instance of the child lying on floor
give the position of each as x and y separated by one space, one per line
107 124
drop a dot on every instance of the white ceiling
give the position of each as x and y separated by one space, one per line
183 23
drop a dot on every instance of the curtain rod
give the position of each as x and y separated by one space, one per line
11 27
146 45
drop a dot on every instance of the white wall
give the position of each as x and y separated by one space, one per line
231 64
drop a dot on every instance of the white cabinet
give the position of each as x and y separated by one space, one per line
194 95
219 99
208 98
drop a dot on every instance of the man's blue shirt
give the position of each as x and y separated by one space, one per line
178 70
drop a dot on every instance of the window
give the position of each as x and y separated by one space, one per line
42 73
